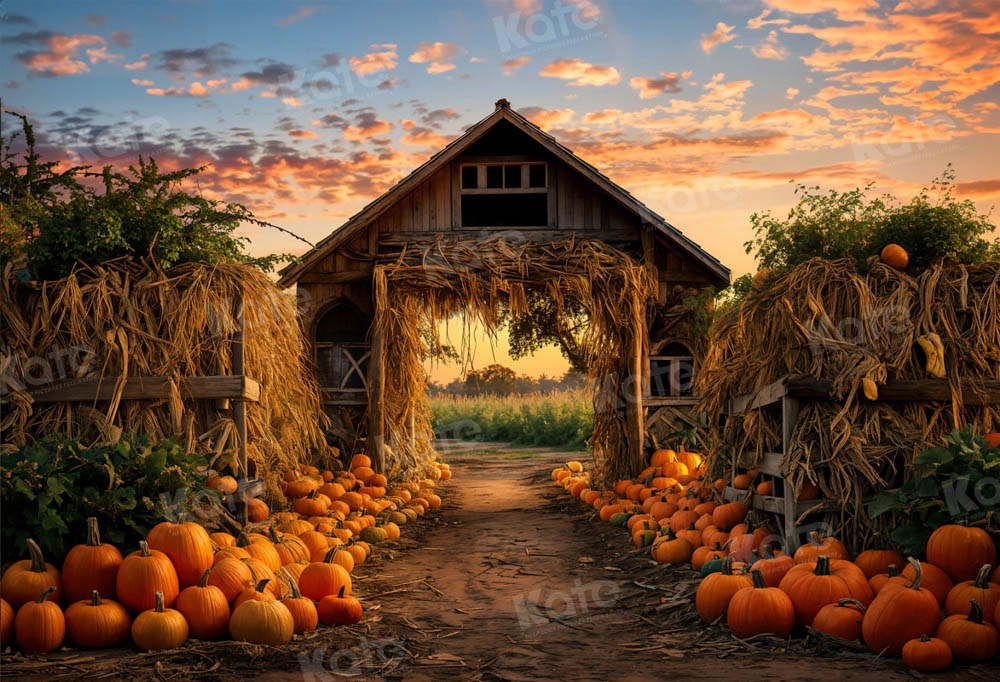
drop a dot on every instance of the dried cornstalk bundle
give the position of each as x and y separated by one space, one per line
128 319
827 321
422 288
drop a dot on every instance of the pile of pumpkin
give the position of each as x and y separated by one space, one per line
758 589
265 585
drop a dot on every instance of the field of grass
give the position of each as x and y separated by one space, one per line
563 419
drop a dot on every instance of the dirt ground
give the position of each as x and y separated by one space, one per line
511 580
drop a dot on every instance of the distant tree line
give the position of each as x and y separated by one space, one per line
496 379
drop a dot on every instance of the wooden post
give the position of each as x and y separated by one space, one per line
240 406
376 403
412 427
633 400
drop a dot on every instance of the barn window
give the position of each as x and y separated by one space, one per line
341 350
671 372
504 195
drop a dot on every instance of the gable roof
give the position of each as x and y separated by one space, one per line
360 220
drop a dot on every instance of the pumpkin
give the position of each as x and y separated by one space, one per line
312 505
816 584
255 592
142 574
262 622
97 623
705 553
230 576
728 515
222 540
289 548
773 566
261 550
809 491
26 579
760 609
927 654
6 622
877 582
303 610
159 628
986 594
39 626
205 607
841 619
969 638
339 609
765 488
960 551
692 535
934 579
319 579
224 484
373 534
670 549
716 590
877 561
749 540
829 547
899 615
257 510
233 552
90 566
895 256
188 547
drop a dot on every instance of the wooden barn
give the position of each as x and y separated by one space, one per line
503 175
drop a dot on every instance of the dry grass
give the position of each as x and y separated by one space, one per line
141 321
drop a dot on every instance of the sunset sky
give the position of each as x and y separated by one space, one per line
705 110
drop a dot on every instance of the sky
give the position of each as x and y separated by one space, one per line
708 111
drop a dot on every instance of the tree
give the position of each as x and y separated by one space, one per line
495 379
55 219
544 324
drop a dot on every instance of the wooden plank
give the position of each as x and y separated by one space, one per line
633 403
339 277
766 396
540 234
376 403
667 401
240 407
150 388
456 196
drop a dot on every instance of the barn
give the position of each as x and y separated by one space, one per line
504 181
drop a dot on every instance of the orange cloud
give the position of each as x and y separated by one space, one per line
979 188
366 129
512 65
59 56
140 63
770 48
196 89
382 57
439 55
299 133
291 101
547 118
651 87
721 34
579 72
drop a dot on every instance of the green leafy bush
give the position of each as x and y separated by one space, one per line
956 483
51 486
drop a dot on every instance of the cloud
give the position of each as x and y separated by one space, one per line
195 89
762 20
547 118
203 61
512 65
721 34
97 19
120 38
301 13
15 19
439 55
291 101
651 87
436 117
367 125
476 60
299 133
142 82
791 93
390 83
382 57
139 64
418 136
57 52
770 48
979 188
581 73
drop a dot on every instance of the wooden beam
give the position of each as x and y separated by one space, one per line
537 234
633 401
240 407
240 388
363 275
376 402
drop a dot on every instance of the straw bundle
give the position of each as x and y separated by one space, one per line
127 319
825 320
423 287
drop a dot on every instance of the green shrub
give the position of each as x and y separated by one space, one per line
51 486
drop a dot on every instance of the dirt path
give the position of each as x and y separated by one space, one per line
522 590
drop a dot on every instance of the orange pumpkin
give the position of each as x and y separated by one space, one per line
90 566
39 626
813 585
205 607
876 561
960 551
760 609
970 638
26 579
716 590
188 547
841 619
897 616
984 592
927 654
303 610
142 574
895 256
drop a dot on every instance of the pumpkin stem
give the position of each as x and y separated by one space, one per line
262 585
983 577
37 558
975 612
160 602
95 598
892 570
727 565
328 559
853 602
758 579
918 573
814 539
925 638
822 565
45 595
253 574
340 595
294 586
204 578
243 540
273 534
93 532
144 548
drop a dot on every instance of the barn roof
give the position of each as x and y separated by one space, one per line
359 221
